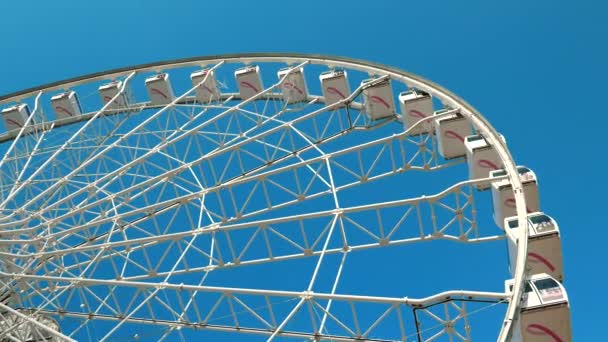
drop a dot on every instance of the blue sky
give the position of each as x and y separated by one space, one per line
535 69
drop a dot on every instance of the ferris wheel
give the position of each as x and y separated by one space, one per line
267 197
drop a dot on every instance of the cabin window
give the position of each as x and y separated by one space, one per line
538 219
474 138
499 173
545 284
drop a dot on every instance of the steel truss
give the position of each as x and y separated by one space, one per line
124 204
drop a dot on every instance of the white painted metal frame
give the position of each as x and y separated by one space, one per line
32 246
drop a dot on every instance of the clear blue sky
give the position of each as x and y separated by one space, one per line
536 69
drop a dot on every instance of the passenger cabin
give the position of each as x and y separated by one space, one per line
206 86
545 311
294 87
66 105
481 158
451 131
14 117
107 93
415 105
503 198
159 89
334 85
544 245
378 98
249 81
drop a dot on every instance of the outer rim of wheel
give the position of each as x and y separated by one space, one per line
446 96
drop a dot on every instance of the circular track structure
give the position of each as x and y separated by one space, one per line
123 192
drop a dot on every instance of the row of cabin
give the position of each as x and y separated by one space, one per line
377 94
545 309
451 129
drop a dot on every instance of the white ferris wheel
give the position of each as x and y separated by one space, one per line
265 197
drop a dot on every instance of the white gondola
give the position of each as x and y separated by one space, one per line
66 105
378 98
206 91
294 87
545 311
502 194
451 131
334 85
544 245
249 81
415 105
481 158
14 117
107 93
159 89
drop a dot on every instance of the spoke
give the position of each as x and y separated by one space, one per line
406 215
389 307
